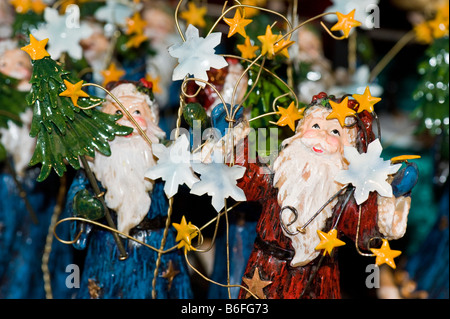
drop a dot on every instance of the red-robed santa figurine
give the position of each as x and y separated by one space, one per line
286 262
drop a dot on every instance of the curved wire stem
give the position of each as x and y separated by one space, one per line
129 116
49 239
357 237
215 282
70 242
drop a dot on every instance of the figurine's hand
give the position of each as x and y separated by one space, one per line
87 205
219 116
405 180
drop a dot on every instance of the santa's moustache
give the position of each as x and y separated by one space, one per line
305 181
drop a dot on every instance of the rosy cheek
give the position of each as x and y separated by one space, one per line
334 142
141 121
310 133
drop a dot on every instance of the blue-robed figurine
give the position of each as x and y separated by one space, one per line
26 211
138 207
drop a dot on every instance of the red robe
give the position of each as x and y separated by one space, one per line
273 251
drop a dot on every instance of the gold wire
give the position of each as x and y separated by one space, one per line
263 115
129 116
215 282
69 242
49 239
269 72
228 249
330 33
357 237
248 6
177 24
408 37
184 84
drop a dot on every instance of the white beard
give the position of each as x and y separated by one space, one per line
18 142
122 174
305 181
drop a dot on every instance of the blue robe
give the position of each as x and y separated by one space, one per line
22 242
105 276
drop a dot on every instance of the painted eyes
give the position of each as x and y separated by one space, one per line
334 131
119 112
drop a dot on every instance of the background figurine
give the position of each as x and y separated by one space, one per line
26 206
286 262
139 205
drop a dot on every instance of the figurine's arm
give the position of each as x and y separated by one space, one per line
80 182
257 180
379 216
393 211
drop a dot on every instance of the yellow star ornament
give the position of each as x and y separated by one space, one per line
194 15
136 40
135 25
328 241
289 116
74 91
366 101
345 23
340 111
281 46
36 49
385 255
185 233
111 74
268 41
247 49
237 24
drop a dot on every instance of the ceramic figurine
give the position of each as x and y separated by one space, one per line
138 205
287 260
26 206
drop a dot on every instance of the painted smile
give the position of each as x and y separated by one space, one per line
317 150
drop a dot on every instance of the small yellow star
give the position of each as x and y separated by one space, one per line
136 40
237 24
185 233
36 49
385 255
38 6
135 24
423 33
251 12
289 116
366 101
194 15
111 74
340 111
155 81
268 41
247 49
74 91
438 27
328 241
345 23
21 6
256 285
282 45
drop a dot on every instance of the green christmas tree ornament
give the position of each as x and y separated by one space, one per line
65 120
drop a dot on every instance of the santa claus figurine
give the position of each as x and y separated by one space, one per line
138 207
26 206
301 199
